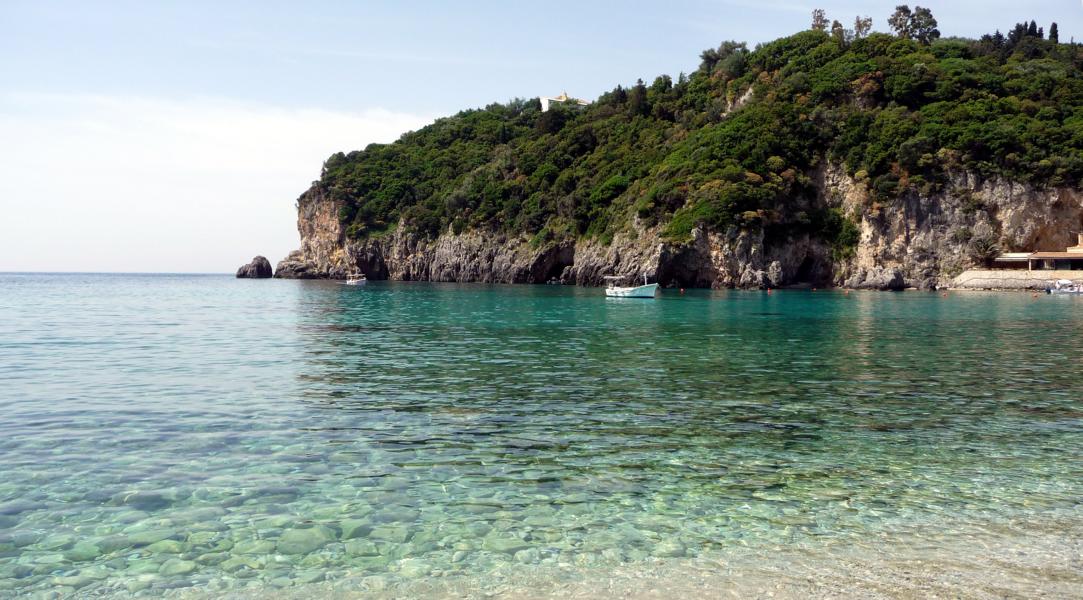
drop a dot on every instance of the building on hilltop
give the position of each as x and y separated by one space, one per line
563 97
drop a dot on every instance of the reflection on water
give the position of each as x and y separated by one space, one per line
219 435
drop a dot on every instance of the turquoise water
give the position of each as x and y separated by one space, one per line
170 432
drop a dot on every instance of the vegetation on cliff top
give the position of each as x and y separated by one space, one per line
737 143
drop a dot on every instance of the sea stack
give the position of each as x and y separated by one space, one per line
259 268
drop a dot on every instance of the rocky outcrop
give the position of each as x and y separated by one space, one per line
259 268
323 253
876 278
917 240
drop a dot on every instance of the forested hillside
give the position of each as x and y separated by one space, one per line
736 143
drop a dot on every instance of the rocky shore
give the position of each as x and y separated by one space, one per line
918 241
259 268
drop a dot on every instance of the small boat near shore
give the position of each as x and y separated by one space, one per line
356 279
647 290
1064 286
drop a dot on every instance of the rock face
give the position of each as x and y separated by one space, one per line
917 240
876 278
259 268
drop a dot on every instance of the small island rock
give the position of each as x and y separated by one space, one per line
259 268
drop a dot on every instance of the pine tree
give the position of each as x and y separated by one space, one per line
819 20
637 100
1032 31
1017 33
1054 35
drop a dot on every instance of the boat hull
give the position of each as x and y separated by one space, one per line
639 291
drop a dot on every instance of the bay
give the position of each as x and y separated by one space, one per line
188 434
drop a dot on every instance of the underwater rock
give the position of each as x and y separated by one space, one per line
361 548
528 556
303 541
669 549
142 500
166 547
503 544
176 566
413 568
355 528
149 536
112 543
82 551
391 533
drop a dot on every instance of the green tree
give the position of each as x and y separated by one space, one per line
923 26
918 25
1054 35
637 100
838 33
899 21
819 20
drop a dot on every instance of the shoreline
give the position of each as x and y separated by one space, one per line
969 281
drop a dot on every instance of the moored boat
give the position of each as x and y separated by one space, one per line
356 279
647 290
1064 286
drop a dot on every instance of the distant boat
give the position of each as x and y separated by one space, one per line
356 279
647 290
1064 286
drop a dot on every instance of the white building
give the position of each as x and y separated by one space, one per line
563 97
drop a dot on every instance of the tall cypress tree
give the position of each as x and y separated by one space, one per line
637 100
1054 36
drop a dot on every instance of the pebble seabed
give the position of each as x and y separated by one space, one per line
1017 559
1031 565
1035 559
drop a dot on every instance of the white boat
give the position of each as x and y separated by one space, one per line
1065 286
356 279
647 290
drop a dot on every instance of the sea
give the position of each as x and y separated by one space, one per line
199 436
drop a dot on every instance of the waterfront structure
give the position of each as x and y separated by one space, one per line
1070 259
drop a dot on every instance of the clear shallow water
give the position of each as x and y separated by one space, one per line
175 432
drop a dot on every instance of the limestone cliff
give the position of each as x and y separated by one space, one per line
924 241
918 240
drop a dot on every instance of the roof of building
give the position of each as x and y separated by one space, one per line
1061 255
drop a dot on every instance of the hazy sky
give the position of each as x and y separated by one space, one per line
155 136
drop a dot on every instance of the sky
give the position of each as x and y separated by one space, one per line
176 136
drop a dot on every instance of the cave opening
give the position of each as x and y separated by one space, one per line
805 272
